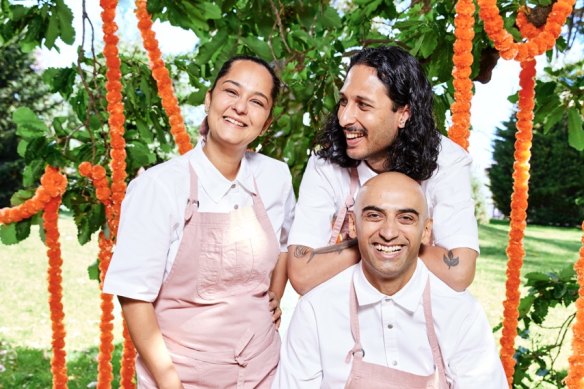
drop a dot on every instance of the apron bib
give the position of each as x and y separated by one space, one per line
212 308
372 376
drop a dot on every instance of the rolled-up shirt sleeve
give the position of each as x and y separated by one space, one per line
144 237
451 201
316 206
300 365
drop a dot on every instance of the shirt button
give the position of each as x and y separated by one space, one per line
390 326
233 186
235 206
394 363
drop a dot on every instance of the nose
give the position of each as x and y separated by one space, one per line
388 230
240 106
346 115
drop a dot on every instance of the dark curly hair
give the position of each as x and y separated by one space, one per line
415 148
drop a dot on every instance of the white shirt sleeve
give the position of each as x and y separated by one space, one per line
300 365
144 237
289 207
475 362
316 206
450 198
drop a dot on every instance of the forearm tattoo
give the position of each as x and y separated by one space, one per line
450 259
303 251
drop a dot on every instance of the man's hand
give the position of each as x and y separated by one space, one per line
274 305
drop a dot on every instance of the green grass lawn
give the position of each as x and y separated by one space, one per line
25 334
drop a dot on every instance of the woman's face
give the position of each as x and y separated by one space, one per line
239 107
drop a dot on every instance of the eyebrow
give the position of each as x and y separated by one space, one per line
359 97
255 92
399 211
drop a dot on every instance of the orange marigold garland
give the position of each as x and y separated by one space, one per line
575 378
128 361
515 251
115 109
163 81
536 44
53 184
55 286
462 59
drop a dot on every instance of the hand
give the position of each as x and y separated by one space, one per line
274 305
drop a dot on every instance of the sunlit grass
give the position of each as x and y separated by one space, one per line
25 332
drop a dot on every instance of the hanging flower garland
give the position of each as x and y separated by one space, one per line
55 287
536 45
526 29
115 108
462 59
163 81
53 184
575 378
127 369
515 250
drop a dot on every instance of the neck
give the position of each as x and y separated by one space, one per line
377 165
225 159
390 285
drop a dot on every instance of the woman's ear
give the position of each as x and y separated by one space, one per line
207 101
267 124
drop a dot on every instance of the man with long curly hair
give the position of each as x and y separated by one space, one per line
382 122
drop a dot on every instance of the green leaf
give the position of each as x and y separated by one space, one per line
140 154
210 10
28 124
575 131
14 232
60 80
65 17
258 46
21 196
93 271
428 44
52 31
330 18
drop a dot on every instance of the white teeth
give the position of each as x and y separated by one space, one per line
387 249
233 121
353 135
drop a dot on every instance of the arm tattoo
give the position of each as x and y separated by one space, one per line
302 251
450 259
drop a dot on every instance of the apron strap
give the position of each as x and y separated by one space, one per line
193 199
354 317
349 202
432 338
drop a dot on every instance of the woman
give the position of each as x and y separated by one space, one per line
202 241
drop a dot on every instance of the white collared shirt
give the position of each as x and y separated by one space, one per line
152 218
325 187
393 334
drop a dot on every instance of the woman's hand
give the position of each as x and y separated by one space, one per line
274 305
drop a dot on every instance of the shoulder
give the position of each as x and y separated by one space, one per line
264 166
451 153
169 174
333 290
452 306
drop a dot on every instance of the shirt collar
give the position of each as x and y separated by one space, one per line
213 182
365 172
409 297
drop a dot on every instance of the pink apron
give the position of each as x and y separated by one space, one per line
212 308
344 224
372 376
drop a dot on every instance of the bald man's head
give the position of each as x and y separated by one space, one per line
392 222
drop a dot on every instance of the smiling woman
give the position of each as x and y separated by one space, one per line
201 246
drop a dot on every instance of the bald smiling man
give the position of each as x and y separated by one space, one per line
387 322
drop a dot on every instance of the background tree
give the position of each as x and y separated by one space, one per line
20 86
309 43
556 185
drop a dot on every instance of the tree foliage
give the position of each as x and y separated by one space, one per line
20 86
556 187
309 43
